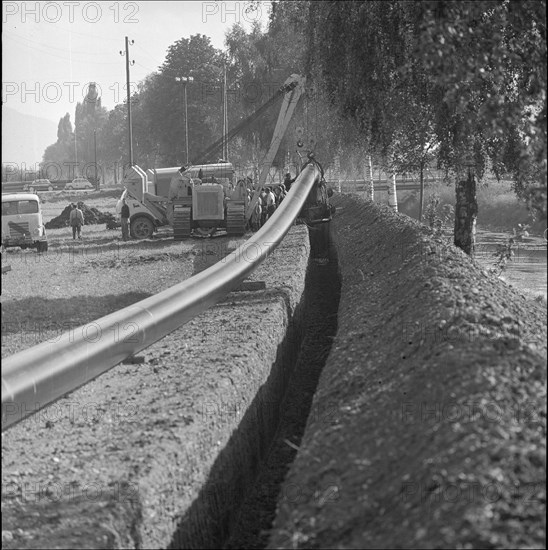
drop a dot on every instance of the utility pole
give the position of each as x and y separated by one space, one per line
76 153
129 99
95 149
225 117
185 80
186 118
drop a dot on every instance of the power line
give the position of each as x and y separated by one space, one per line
26 40
145 52
64 58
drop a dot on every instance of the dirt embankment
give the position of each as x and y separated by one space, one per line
160 454
436 392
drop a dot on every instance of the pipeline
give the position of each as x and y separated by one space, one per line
38 376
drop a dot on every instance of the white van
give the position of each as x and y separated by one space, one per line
22 223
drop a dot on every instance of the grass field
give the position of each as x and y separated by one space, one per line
103 265
78 281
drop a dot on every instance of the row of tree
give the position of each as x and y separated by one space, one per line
458 84
158 113
454 85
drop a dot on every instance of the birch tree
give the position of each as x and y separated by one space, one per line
479 67
369 187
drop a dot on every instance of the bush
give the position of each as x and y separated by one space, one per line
498 206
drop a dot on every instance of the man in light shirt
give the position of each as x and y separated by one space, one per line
270 202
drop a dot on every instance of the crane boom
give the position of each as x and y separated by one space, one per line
295 86
293 82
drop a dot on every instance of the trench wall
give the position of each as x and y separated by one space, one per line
435 389
158 454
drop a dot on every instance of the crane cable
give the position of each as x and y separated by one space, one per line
204 155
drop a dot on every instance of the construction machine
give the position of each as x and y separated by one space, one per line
316 209
196 204
173 203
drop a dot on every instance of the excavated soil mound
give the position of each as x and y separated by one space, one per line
437 386
92 216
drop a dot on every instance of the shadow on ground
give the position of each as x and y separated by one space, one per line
51 314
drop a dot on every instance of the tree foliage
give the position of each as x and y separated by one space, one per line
473 72
158 115
409 82
59 156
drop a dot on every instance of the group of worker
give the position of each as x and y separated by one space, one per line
269 200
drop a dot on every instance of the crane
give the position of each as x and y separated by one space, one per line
206 208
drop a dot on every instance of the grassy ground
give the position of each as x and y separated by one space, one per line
76 282
497 203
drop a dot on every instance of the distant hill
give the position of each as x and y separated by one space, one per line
25 137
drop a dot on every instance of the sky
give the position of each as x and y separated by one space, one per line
51 51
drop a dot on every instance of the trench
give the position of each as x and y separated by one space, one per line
258 509
237 503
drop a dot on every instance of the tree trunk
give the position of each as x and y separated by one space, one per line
392 195
368 187
355 171
371 183
421 197
337 170
466 212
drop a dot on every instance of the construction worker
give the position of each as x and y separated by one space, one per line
288 181
124 218
76 219
262 200
249 184
256 216
279 194
270 203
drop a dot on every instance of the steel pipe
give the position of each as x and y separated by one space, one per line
36 377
